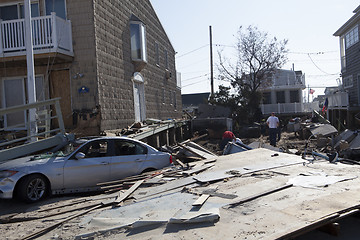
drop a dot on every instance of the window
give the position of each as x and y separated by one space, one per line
267 98
280 97
9 12
294 96
129 148
34 10
352 37
16 11
15 94
166 59
157 54
348 81
163 95
95 149
57 6
138 41
171 97
175 102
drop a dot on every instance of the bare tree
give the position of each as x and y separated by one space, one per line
258 57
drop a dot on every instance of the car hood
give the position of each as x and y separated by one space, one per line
28 161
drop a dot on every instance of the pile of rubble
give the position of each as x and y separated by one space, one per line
257 193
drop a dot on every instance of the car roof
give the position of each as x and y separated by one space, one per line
94 138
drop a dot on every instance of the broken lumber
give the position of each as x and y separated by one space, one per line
122 197
201 200
190 150
53 226
248 199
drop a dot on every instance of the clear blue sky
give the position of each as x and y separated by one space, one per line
308 25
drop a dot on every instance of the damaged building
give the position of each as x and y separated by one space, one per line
110 62
346 103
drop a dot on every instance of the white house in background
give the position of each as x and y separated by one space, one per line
284 95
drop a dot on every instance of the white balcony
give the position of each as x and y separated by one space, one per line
338 100
289 108
51 34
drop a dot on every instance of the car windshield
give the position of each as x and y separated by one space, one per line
63 152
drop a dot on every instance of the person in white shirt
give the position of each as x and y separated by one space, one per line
273 123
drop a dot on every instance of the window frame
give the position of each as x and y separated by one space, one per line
352 37
157 54
44 7
142 42
166 59
18 8
348 82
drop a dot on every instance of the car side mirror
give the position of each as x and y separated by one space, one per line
80 155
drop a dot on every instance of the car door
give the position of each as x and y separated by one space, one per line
128 158
93 168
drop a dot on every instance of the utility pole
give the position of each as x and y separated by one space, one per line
211 65
32 130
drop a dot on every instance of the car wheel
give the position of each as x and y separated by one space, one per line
32 188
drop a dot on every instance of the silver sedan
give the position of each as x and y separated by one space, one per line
98 160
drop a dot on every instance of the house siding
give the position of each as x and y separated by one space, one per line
80 13
115 69
353 69
102 64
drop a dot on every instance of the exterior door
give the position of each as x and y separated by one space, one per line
137 102
14 94
60 87
139 98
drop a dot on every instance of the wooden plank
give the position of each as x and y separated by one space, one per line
247 199
166 187
53 226
122 197
183 165
201 200
197 170
193 152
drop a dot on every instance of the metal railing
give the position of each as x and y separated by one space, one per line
26 125
49 32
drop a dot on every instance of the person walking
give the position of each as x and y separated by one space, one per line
273 124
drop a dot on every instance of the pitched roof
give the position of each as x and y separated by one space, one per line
350 23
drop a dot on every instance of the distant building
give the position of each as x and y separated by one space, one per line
191 102
348 35
283 94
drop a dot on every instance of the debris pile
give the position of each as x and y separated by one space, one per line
264 193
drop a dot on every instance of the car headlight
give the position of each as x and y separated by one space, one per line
7 173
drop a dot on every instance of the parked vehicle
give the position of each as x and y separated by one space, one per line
78 170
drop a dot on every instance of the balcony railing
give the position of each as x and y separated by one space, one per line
50 34
338 100
289 108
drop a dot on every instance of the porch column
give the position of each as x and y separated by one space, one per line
1 42
32 130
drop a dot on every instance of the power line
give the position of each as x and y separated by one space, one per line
320 68
195 77
193 83
192 51
313 53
